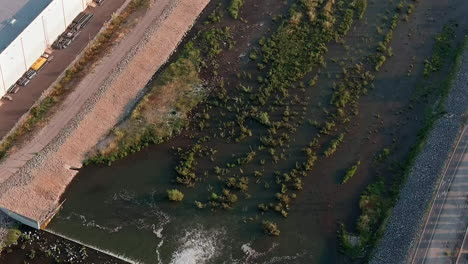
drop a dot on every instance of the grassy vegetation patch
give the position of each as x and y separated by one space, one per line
11 238
163 111
442 48
175 195
361 7
271 228
148 125
351 172
234 8
333 146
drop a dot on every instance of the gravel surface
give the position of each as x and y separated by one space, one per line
407 219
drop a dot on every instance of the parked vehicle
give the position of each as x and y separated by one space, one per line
30 74
83 20
23 81
73 30
39 64
13 89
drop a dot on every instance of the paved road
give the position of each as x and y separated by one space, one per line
11 112
447 222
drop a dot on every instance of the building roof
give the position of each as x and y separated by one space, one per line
23 11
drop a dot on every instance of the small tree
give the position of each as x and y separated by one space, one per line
175 195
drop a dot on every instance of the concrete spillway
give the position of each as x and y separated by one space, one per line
22 219
34 177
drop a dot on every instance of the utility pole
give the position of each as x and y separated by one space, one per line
3 80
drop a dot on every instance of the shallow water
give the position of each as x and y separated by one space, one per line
123 209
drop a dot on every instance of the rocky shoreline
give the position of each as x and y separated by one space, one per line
407 218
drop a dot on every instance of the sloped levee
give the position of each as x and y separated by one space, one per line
35 176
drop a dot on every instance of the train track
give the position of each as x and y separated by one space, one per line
444 237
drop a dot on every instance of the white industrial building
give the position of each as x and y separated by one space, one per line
27 28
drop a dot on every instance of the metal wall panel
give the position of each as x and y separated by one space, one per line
34 42
12 63
3 89
42 32
54 24
72 9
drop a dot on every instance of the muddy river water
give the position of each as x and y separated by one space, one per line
123 209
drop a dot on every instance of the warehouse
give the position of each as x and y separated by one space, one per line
27 29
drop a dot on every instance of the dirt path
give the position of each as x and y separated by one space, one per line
33 178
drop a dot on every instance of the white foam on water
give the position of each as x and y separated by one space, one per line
251 254
157 231
93 223
115 255
284 259
124 195
198 246
158 254
151 215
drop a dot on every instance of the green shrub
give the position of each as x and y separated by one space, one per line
442 48
175 195
360 6
216 15
263 118
333 146
346 23
383 155
380 62
234 8
271 228
350 172
12 237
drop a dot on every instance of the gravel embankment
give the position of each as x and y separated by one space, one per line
405 223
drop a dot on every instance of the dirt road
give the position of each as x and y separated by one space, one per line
33 178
